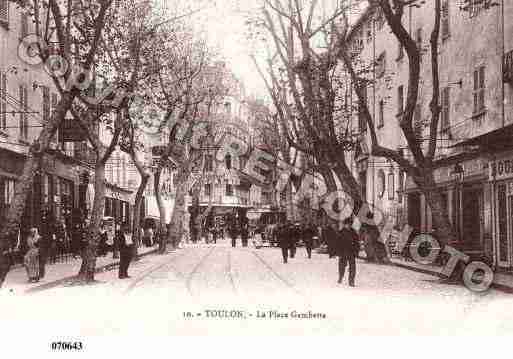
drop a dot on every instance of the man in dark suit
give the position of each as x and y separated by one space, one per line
309 233
126 251
346 249
283 236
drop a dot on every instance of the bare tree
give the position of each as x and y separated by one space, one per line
421 166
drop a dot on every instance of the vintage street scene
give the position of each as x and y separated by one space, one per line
277 167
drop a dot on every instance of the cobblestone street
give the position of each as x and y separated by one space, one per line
171 294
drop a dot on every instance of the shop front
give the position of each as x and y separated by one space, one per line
467 198
501 178
118 204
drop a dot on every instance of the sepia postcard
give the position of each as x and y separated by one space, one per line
255 168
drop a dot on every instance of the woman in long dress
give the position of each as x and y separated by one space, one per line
31 259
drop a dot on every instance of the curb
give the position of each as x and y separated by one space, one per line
498 286
58 282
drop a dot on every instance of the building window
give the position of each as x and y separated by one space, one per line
474 6
400 100
400 186
229 190
381 64
24 26
23 112
418 40
445 20
391 185
4 13
381 114
228 161
363 184
208 190
46 103
209 163
380 20
381 183
369 32
445 109
67 196
228 108
54 103
400 50
362 123
3 101
8 191
479 89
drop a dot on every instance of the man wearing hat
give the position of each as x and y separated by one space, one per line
347 249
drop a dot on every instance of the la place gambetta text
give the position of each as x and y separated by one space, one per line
274 314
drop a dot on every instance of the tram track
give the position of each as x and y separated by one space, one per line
171 265
279 276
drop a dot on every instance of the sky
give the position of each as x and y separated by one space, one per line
223 23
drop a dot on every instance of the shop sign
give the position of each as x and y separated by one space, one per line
501 169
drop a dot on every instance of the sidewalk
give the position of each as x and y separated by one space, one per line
501 281
17 283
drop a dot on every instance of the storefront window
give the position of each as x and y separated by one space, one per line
391 185
67 196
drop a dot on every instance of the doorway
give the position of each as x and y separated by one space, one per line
414 213
504 224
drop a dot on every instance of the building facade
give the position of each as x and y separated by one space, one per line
28 99
476 102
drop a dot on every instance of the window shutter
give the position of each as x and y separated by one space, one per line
46 103
446 105
476 88
445 19
481 88
24 25
22 101
25 110
3 100
400 100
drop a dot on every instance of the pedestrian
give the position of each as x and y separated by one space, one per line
374 250
330 238
60 235
294 234
283 240
31 258
309 233
244 231
233 230
126 251
102 245
45 242
347 249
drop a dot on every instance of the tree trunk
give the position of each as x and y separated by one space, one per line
444 230
176 226
9 229
162 211
136 224
349 185
289 202
87 271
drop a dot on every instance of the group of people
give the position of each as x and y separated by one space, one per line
288 235
344 243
